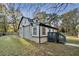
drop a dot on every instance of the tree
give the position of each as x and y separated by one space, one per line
53 9
3 18
13 8
70 21
14 13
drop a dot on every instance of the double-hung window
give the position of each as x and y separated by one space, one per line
43 31
34 31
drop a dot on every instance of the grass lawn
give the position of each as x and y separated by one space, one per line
72 39
14 45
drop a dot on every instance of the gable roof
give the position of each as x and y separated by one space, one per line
30 20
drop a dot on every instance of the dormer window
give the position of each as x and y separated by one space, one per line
36 21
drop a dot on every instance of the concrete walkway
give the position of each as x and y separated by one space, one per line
75 45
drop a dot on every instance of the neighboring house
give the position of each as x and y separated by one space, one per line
33 30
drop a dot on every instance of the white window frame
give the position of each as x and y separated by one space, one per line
42 32
33 31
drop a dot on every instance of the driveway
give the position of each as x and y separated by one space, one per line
71 44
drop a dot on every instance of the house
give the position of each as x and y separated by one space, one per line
33 30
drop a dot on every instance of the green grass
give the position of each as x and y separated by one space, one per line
73 41
10 46
15 46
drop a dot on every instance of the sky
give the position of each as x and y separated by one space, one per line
70 7
28 11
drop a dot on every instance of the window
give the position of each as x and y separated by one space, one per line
43 31
34 31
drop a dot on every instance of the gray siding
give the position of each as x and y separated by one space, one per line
27 32
21 32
